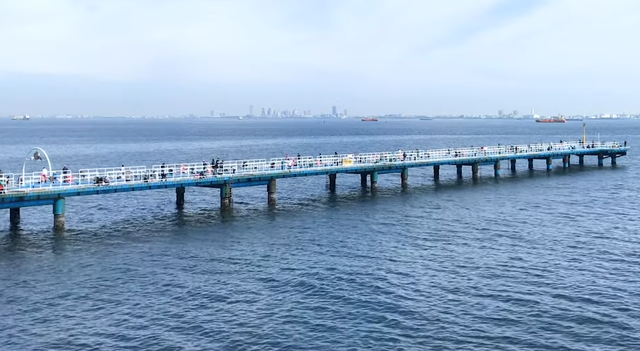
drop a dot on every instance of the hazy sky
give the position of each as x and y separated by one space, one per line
113 57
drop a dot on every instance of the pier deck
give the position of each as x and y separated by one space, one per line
33 189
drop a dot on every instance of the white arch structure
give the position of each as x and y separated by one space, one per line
28 158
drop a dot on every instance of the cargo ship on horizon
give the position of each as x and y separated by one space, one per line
559 119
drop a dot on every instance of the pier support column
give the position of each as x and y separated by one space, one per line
404 177
459 171
226 198
436 172
14 216
332 182
513 165
475 170
600 160
549 163
581 160
59 221
363 180
271 192
496 169
180 196
374 181
613 160
530 161
565 162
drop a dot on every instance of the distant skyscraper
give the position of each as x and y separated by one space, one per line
515 113
500 113
250 110
264 112
345 112
334 111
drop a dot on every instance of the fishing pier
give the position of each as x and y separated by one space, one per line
52 188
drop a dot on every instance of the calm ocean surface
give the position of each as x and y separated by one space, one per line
529 261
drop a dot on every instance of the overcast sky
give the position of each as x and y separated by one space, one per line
115 57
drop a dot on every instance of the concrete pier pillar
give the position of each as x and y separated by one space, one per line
363 180
613 160
459 171
475 171
332 182
59 221
581 160
14 216
436 172
513 165
549 163
180 196
404 177
565 162
496 169
530 161
600 160
374 180
271 192
226 198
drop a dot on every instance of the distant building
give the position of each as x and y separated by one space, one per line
250 110
334 111
515 113
264 112
500 113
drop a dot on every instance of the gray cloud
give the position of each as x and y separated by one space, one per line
463 56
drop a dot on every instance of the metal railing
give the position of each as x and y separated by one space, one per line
91 177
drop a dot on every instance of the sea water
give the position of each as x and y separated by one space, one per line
532 260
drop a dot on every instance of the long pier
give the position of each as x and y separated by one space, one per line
52 188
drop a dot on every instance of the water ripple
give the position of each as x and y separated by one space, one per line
531 261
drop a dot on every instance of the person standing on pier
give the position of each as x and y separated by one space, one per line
43 175
163 174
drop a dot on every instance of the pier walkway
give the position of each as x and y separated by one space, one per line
37 189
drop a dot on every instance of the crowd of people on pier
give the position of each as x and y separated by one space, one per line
219 167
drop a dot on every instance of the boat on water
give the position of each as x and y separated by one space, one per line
370 119
20 118
559 119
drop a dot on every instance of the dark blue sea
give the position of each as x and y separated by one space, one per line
528 261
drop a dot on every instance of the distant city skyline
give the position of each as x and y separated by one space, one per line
376 57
